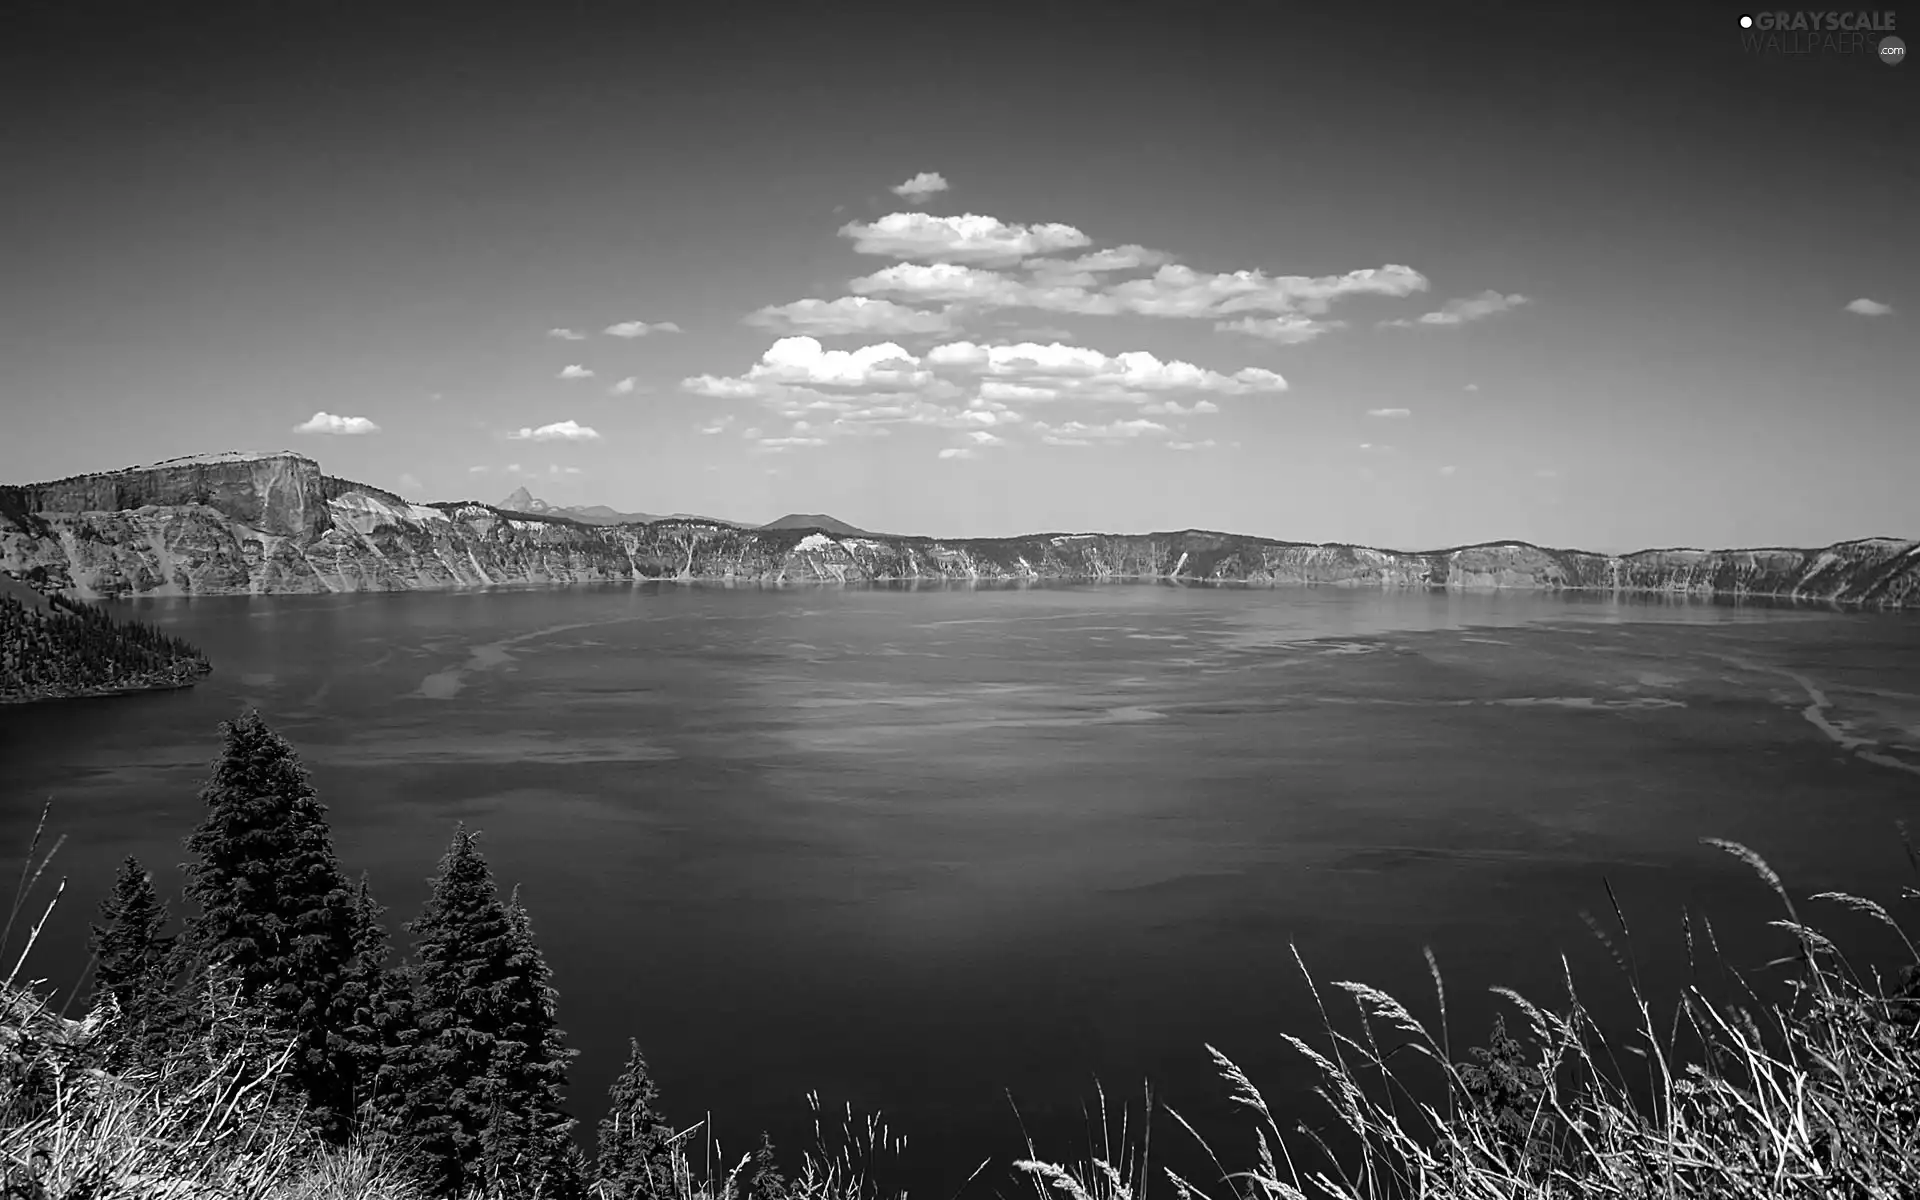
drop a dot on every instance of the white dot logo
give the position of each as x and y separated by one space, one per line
1893 51
1746 22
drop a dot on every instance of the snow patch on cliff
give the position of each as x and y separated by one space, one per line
817 541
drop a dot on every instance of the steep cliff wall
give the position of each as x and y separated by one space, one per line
273 523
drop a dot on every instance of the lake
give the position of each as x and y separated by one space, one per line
926 850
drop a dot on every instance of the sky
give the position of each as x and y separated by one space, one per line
1411 276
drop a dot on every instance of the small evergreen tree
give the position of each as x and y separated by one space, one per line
635 1160
132 962
763 1178
272 907
478 1076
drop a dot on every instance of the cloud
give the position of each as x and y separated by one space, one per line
575 371
325 422
968 237
559 431
634 329
411 483
556 471
1179 291
958 452
625 387
1208 444
1466 308
1079 433
1389 412
566 335
849 314
953 283
1869 308
476 470
1449 470
1375 448
970 386
1288 330
790 443
1472 387
921 187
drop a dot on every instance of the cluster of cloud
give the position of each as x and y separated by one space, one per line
972 388
559 431
326 422
1869 308
955 268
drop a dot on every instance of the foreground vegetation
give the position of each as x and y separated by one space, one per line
269 1045
52 647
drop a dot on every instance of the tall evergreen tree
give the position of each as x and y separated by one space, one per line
635 1160
477 1078
273 910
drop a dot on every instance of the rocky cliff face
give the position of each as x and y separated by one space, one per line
225 524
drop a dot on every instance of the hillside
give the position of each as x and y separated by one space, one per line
274 523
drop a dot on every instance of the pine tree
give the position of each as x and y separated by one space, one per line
477 1078
764 1180
635 1160
272 907
132 961
373 1001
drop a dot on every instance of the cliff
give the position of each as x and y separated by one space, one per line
239 523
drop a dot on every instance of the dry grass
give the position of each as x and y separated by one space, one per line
1814 1095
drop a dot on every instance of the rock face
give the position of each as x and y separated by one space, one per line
225 524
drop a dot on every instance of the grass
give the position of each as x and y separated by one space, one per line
1802 1087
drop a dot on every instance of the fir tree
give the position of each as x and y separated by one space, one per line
635 1160
373 1001
763 1178
477 1078
272 908
133 961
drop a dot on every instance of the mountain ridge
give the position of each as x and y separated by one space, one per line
243 523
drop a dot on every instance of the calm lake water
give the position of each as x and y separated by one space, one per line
920 849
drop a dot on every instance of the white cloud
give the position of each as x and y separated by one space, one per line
411 483
970 386
952 283
1472 387
1869 308
921 187
634 329
556 471
968 237
850 314
325 422
1389 412
790 443
1467 308
567 335
982 438
575 371
1180 291
476 470
1288 330
719 426
625 387
958 452
1208 444
1375 448
1449 470
559 431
